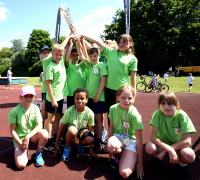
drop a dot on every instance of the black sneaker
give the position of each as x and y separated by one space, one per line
49 146
97 147
153 164
60 142
183 172
115 162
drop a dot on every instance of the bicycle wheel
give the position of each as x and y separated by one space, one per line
140 86
149 88
164 87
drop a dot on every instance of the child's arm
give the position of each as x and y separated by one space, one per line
84 49
87 44
49 89
172 153
101 86
68 53
133 79
111 129
78 46
139 163
101 45
59 133
184 143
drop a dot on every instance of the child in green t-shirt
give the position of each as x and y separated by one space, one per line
76 75
77 123
171 130
95 85
26 126
125 140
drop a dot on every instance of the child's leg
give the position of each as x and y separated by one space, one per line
21 158
99 124
44 113
71 135
49 122
127 163
56 123
186 155
153 149
115 145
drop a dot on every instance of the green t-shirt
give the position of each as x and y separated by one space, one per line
45 62
76 76
57 74
119 65
134 120
16 115
86 118
170 129
103 59
94 79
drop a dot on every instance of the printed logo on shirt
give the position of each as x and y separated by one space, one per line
32 116
85 123
96 70
178 131
127 61
126 125
80 68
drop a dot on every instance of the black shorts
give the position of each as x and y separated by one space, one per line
82 133
44 96
190 84
99 107
50 109
110 99
70 101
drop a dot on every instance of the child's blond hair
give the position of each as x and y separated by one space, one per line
125 88
112 42
58 47
168 97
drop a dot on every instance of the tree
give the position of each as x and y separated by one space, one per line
38 39
5 52
61 39
17 46
165 32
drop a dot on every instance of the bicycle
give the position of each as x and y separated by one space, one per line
159 87
140 86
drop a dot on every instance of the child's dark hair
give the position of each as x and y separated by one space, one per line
168 97
83 90
73 50
127 38
93 50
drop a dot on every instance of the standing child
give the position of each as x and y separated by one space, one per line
126 134
155 81
171 130
190 80
26 126
77 123
95 86
166 77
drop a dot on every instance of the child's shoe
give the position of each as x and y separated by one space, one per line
49 146
80 150
97 146
65 155
39 160
115 162
183 172
103 135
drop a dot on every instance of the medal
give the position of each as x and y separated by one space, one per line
126 142
76 140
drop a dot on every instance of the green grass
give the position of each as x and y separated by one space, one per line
176 84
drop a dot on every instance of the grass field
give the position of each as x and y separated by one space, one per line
176 84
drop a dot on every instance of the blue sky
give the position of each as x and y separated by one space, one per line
19 17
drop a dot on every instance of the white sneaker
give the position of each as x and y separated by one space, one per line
6 87
10 88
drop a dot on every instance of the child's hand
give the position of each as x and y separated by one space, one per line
57 150
161 154
110 156
91 153
173 156
96 98
140 171
54 103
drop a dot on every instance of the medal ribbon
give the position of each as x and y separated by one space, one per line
125 121
25 116
81 119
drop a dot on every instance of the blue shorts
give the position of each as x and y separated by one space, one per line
99 107
9 79
44 96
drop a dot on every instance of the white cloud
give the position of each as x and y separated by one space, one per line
1 3
5 44
19 33
3 12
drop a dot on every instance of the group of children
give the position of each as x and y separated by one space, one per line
98 86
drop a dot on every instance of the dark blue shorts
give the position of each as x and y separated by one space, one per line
99 107
50 109
44 96
70 101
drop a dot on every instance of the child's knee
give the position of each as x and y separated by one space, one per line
89 140
43 134
188 155
125 173
151 148
72 131
21 165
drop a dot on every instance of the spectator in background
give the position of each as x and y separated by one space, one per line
190 80
176 72
9 77
170 71
166 77
41 77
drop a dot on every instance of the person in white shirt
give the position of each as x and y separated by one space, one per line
9 77
166 77
190 80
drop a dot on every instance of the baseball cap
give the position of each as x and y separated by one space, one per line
28 90
43 48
